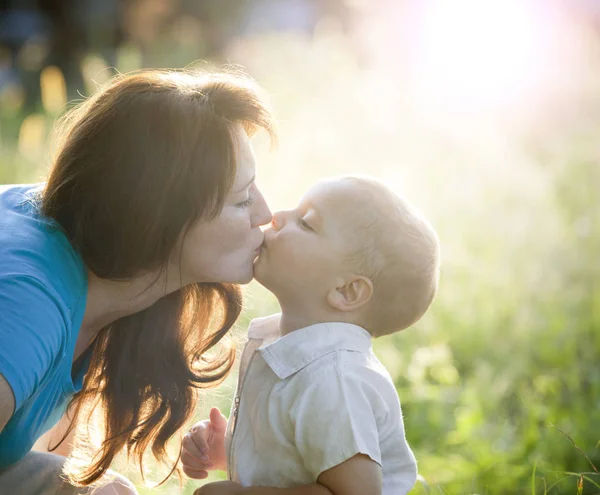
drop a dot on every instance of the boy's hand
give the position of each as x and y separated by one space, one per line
220 488
203 447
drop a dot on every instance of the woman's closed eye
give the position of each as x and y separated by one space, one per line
245 204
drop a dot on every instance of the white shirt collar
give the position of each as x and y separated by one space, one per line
289 354
265 328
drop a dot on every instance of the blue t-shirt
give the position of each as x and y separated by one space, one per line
43 289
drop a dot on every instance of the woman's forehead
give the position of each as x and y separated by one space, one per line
245 161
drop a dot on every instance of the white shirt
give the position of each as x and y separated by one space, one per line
311 400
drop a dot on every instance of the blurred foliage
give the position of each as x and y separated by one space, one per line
499 383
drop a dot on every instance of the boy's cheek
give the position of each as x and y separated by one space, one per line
286 248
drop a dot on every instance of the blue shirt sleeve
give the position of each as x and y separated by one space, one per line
33 334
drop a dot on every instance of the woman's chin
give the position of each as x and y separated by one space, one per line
246 278
247 273
259 270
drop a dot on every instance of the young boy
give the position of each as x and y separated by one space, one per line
352 262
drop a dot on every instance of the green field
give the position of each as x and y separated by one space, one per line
500 382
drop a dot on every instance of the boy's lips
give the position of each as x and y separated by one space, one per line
260 248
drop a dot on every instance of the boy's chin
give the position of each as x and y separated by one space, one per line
263 276
260 274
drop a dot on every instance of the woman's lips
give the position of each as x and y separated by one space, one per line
258 250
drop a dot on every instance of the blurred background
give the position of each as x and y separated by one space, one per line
486 114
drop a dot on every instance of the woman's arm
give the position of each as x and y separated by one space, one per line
55 435
7 402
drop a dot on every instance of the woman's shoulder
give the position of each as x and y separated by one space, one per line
32 245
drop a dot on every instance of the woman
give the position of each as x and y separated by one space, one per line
112 272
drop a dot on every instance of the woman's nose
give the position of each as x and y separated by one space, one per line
262 214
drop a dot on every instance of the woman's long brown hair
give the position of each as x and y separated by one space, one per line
136 164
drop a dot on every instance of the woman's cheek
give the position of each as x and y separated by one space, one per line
237 231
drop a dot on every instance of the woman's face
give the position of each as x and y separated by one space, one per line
223 249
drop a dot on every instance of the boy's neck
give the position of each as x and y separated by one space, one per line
293 321
296 318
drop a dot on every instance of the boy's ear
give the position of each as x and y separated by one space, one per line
351 293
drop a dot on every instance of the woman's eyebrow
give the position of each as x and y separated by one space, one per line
247 185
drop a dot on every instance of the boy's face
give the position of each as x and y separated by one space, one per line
305 249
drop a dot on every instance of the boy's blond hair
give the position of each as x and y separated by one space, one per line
398 249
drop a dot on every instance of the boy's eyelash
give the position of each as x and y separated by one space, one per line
304 225
245 204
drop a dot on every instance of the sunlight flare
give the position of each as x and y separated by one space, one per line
472 54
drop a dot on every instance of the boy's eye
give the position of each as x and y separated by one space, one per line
304 225
244 204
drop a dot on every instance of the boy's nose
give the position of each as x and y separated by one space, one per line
278 220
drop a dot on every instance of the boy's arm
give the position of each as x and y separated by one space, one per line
230 488
314 489
358 475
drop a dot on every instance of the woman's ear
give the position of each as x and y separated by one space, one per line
350 294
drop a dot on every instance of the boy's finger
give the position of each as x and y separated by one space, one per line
193 462
196 475
190 446
218 420
199 435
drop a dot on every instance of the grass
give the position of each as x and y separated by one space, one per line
499 382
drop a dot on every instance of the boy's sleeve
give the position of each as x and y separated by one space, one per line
32 334
335 418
